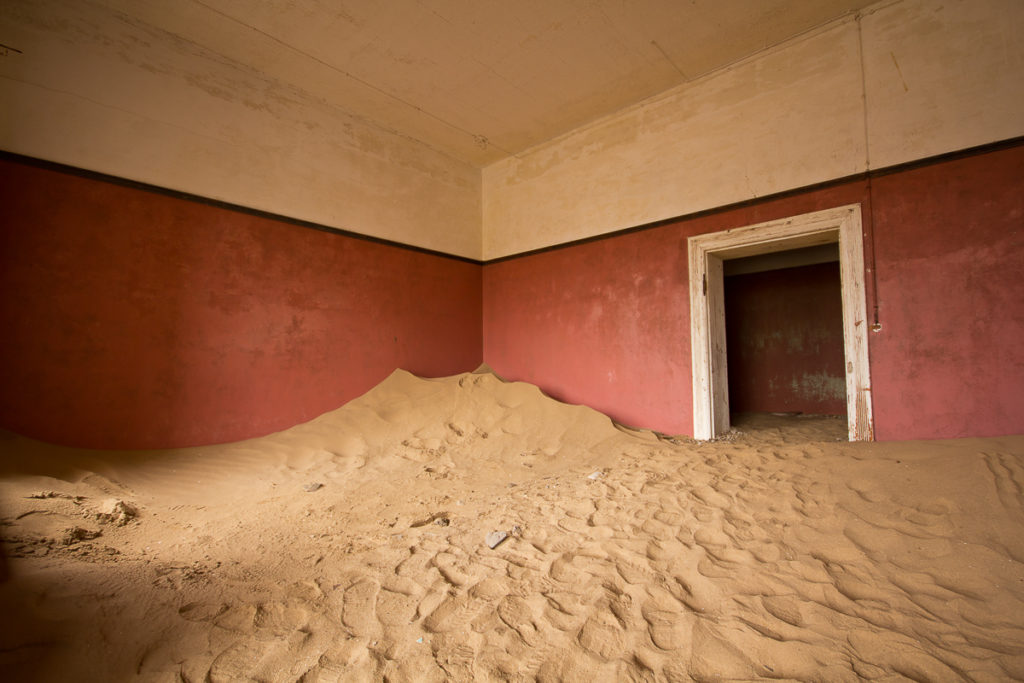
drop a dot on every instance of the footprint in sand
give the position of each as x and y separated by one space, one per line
519 616
632 570
458 609
340 659
454 570
561 620
566 569
359 607
396 608
280 618
602 636
237 662
455 656
238 618
264 657
668 628
454 613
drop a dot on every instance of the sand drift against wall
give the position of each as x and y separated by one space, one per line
354 547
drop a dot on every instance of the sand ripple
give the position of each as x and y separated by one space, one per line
779 553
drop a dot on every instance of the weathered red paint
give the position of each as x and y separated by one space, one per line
784 336
132 319
606 323
949 360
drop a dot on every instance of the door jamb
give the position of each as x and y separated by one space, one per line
707 309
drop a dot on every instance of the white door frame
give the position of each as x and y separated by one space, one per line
707 309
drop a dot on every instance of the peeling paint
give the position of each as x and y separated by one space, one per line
820 387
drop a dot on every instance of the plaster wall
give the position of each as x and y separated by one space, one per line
149 105
133 319
784 337
904 80
949 243
941 77
606 323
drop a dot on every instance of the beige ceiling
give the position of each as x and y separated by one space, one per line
481 79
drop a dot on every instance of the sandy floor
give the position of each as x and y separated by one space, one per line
355 547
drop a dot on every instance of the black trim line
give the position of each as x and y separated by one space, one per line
867 175
178 194
220 204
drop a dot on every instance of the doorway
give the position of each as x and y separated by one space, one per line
784 333
708 254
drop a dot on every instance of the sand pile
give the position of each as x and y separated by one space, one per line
358 547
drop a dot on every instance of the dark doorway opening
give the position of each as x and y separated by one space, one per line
784 333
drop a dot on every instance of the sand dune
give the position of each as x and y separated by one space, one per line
355 547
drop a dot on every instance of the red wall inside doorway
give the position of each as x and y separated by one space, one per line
784 337
134 319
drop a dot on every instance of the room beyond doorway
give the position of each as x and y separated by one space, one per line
708 254
784 333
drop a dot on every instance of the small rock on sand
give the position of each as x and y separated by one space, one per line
114 511
495 538
76 534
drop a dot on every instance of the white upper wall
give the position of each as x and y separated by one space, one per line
96 89
942 76
935 78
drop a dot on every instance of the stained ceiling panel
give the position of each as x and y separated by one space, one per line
477 79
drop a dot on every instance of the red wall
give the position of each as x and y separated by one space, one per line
784 338
133 319
606 323
949 361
